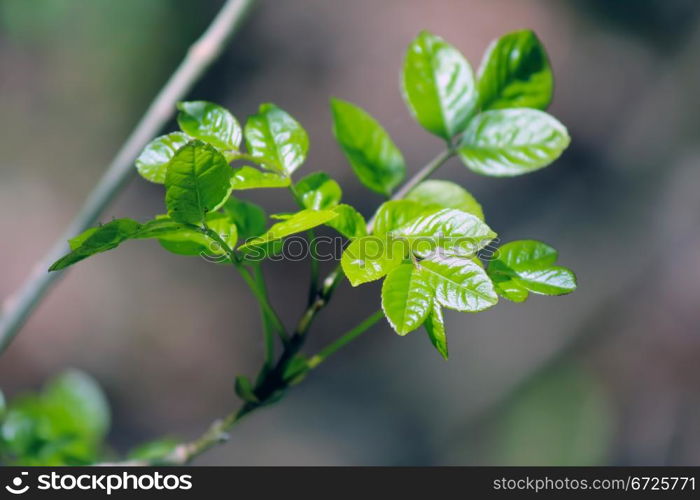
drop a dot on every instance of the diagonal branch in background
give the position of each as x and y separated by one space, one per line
18 306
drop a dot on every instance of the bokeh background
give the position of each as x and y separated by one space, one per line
608 375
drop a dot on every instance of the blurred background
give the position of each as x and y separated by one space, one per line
608 375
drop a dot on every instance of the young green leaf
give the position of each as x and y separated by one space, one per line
371 257
508 142
248 217
372 154
459 283
192 242
81 403
301 221
210 123
198 182
277 139
393 214
515 73
445 194
435 327
438 85
318 191
349 222
244 389
97 240
159 227
446 229
508 288
528 266
407 298
251 178
153 161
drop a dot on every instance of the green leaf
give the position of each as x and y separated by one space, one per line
301 221
154 450
63 425
97 240
277 139
248 217
318 191
349 222
210 123
438 85
244 389
407 298
446 229
393 214
371 257
508 142
508 288
515 73
435 327
159 227
82 405
251 178
198 182
445 194
372 154
459 283
526 266
189 241
153 161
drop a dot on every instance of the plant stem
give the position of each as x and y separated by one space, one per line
344 339
255 283
424 173
268 322
272 382
315 266
260 294
217 432
17 308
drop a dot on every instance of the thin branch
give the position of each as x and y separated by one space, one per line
273 381
344 339
17 308
255 285
269 328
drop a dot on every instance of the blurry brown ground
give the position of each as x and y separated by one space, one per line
608 375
